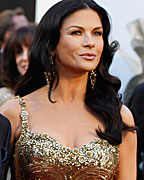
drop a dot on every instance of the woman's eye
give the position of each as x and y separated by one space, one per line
18 51
76 33
98 33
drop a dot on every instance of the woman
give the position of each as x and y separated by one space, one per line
15 60
74 126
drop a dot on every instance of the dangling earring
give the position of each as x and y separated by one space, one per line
51 59
48 77
93 78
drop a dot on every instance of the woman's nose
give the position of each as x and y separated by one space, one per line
88 41
25 55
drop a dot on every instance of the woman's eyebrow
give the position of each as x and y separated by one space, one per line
79 27
74 26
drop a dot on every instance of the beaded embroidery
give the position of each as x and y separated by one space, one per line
40 157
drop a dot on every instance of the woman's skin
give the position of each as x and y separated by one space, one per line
22 61
68 120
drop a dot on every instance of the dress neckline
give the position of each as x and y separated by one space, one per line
26 129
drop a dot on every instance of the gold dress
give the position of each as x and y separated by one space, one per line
38 156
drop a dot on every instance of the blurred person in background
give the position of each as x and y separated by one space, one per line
15 60
10 20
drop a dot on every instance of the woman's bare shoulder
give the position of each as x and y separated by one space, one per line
127 116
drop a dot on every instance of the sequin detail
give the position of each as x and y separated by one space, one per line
39 156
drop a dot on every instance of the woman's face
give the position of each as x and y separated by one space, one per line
81 42
22 60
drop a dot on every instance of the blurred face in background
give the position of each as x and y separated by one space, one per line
22 61
18 22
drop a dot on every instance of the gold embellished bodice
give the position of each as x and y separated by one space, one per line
41 157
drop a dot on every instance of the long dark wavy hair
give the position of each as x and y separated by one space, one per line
103 100
9 71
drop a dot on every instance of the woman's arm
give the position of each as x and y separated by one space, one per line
127 157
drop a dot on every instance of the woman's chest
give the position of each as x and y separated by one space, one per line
41 154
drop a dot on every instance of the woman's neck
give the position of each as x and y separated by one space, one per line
70 89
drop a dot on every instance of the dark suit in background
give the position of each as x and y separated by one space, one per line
5 136
136 105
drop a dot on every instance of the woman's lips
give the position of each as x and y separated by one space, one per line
25 68
88 56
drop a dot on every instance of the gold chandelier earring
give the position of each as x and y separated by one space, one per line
93 78
48 77
51 60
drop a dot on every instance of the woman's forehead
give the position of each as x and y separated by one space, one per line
82 17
